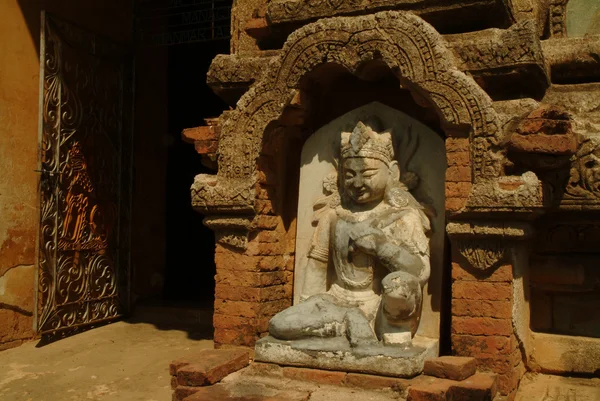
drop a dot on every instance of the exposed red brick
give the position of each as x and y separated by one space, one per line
250 279
457 145
485 326
510 185
457 189
266 177
468 345
376 382
250 309
208 366
315 375
257 27
481 308
250 294
479 387
500 364
268 236
270 263
455 204
433 389
266 222
264 248
266 193
460 158
249 325
458 174
501 273
173 381
549 111
264 207
494 291
235 336
182 392
226 259
450 367
206 147
544 144
228 321
204 133
544 126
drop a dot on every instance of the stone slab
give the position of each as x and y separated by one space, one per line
335 354
208 367
451 367
555 353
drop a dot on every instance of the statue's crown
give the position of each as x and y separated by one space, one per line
364 141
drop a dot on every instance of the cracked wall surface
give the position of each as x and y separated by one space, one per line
19 68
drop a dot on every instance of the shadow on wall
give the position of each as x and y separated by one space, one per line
110 18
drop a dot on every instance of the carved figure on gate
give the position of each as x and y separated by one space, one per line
369 257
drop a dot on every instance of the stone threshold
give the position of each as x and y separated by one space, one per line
271 382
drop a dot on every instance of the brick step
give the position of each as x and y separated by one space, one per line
196 378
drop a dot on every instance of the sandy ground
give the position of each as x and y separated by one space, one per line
123 361
538 387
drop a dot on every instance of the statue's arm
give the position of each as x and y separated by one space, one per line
410 253
315 271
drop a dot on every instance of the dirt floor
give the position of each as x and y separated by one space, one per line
123 361
537 387
128 361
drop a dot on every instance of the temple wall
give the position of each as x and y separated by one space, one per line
19 84
521 210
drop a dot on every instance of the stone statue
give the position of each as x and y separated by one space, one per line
369 257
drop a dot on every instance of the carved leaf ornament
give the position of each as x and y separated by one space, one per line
482 254
409 46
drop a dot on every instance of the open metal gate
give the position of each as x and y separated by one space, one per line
83 271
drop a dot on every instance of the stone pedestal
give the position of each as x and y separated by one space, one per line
336 354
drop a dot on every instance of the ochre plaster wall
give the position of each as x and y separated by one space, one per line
19 81
19 102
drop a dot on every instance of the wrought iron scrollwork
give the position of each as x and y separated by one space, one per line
85 144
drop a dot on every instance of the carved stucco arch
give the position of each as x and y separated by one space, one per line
410 47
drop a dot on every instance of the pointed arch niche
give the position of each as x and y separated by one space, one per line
419 150
325 70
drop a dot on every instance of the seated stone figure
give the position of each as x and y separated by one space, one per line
369 257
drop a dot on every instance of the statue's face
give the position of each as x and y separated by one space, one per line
365 179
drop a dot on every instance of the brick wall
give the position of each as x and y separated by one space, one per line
482 302
253 285
458 174
482 326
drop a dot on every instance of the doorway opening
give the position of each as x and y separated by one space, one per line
189 261
173 257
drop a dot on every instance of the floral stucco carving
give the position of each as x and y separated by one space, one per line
409 46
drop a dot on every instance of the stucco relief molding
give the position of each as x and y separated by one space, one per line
486 244
410 47
289 11
230 230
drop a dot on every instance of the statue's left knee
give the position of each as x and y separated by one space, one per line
401 297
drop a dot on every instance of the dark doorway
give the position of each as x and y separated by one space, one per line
189 264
